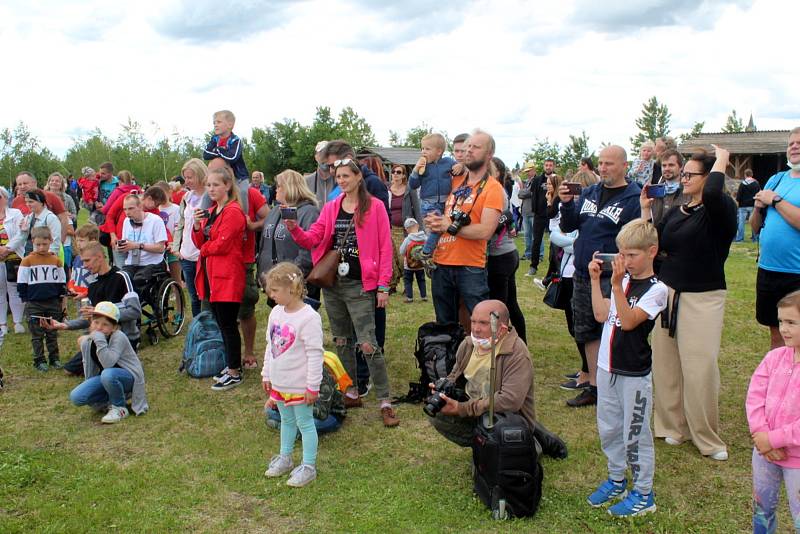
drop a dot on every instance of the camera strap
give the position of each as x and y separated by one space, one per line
478 192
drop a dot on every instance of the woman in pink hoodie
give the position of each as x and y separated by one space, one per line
773 413
357 225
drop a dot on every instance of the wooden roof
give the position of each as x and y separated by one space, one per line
758 142
403 156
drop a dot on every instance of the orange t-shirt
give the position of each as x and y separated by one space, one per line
455 250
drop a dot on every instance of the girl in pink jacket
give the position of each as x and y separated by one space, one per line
773 413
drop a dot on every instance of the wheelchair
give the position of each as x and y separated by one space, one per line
163 302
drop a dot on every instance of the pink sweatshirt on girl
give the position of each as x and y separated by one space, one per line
293 359
773 403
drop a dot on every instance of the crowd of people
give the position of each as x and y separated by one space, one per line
633 249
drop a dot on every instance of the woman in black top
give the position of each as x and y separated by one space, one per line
694 240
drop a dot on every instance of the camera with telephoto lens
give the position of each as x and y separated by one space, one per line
434 403
458 220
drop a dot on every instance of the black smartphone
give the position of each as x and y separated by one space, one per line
574 188
289 212
607 260
205 214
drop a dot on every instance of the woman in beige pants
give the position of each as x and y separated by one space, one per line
694 240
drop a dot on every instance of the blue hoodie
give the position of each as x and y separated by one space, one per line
435 184
598 230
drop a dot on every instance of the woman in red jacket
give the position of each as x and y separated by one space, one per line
219 234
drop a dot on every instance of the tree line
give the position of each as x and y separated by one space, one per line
285 144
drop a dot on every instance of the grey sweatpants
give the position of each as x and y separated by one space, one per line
624 407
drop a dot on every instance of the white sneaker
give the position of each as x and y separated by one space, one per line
719 456
672 441
279 465
115 414
18 328
302 475
3 330
538 283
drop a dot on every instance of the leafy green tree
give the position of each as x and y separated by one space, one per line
355 129
20 151
572 153
733 124
653 123
697 129
541 150
271 147
413 137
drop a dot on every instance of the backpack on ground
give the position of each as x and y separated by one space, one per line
435 353
204 350
412 256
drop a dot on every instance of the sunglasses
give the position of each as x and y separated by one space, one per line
339 162
398 171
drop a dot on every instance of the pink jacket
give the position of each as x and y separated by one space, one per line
374 241
773 403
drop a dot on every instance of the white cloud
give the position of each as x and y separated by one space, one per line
518 69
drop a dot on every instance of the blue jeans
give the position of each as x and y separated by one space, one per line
744 216
189 269
110 386
527 227
451 282
433 238
324 426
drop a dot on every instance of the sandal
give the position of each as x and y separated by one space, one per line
250 363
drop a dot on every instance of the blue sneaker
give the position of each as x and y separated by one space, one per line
607 491
634 504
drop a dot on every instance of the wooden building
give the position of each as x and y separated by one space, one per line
392 156
764 152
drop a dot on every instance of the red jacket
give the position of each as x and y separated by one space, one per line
115 214
222 256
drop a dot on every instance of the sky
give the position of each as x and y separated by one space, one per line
520 70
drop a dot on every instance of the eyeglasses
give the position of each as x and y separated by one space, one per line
339 162
398 171
690 175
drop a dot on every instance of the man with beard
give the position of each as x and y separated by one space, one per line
470 219
671 165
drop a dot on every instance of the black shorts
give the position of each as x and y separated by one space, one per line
772 286
586 328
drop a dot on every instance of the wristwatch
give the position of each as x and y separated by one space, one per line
776 199
141 246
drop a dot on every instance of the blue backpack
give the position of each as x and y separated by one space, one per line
204 351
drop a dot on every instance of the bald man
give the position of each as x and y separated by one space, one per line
514 387
598 214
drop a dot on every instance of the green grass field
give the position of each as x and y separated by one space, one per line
195 462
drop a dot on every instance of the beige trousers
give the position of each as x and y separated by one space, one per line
686 374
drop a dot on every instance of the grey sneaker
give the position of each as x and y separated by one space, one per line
302 475
531 271
279 465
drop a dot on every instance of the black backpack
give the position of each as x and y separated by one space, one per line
435 353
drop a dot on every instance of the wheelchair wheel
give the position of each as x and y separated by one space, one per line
170 314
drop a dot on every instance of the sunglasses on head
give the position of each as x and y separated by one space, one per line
339 162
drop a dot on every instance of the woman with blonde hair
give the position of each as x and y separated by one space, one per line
277 244
57 184
194 174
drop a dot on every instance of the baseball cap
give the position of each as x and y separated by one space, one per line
411 221
107 309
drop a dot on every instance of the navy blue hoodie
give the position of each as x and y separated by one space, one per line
598 230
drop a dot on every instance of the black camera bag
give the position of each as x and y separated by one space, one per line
506 466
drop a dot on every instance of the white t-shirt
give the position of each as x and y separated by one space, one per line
172 212
188 250
628 352
151 231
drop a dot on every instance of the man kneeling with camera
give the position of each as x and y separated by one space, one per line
457 401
